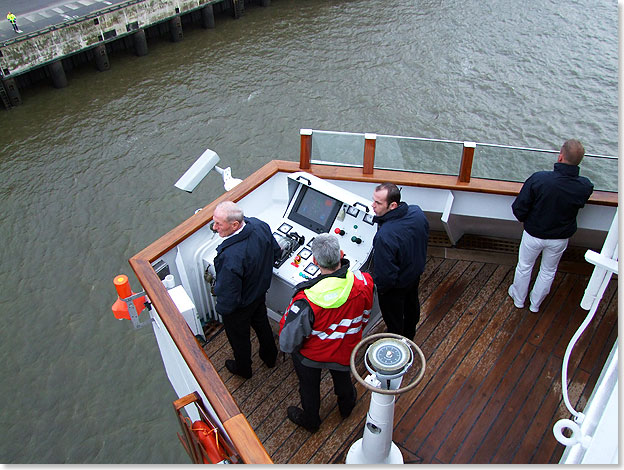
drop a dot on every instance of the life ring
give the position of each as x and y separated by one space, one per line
209 439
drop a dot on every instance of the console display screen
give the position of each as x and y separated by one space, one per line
314 210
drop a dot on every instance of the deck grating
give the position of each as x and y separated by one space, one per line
492 389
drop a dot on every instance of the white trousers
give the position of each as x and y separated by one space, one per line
530 248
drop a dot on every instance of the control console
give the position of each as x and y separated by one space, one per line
317 206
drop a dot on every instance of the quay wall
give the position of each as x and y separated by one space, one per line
47 53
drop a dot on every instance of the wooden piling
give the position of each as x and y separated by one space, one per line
207 16
12 96
140 43
101 57
57 73
175 28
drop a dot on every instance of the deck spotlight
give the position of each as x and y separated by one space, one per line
202 166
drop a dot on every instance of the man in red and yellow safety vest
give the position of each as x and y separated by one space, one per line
320 328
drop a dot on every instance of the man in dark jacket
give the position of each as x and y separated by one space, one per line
399 255
244 266
320 328
547 205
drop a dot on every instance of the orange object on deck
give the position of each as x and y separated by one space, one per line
120 308
209 439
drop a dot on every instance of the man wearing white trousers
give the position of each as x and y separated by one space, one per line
548 204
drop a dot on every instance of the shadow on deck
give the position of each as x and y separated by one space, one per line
492 387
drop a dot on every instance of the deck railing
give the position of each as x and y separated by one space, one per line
465 160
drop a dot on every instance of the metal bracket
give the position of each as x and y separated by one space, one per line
134 315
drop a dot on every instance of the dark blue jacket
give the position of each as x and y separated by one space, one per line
550 200
400 247
244 266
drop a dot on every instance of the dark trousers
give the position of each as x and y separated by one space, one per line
310 390
400 309
237 326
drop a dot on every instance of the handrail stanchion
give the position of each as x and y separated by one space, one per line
369 153
306 148
465 168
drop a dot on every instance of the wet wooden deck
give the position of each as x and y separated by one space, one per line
492 388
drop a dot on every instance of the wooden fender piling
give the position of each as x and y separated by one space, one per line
13 95
207 15
101 58
140 43
57 73
175 27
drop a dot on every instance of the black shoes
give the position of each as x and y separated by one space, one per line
231 366
296 415
270 363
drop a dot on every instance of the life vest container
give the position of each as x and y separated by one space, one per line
209 439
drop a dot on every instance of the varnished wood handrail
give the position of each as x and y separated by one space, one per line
246 442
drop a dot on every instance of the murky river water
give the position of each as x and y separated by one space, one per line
87 172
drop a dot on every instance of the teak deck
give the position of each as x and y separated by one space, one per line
492 387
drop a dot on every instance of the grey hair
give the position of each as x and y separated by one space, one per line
326 250
231 211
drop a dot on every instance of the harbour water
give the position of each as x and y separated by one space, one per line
87 171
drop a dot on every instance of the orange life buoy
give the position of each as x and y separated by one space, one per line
209 439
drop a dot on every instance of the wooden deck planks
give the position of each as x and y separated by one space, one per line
492 389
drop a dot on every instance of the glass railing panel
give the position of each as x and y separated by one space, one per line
343 148
517 164
441 157
510 163
602 171
493 162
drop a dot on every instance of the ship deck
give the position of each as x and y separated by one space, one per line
492 387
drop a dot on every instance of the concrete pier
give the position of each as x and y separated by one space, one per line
35 56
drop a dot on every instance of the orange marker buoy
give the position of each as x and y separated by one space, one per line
120 308
209 439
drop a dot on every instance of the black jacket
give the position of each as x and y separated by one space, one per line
550 200
400 247
244 266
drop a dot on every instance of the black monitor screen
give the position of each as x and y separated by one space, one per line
314 210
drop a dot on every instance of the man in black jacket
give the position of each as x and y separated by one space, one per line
399 255
547 205
244 266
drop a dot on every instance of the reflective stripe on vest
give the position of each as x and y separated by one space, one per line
331 333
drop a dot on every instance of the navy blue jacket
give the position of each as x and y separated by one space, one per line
400 247
550 200
244 266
